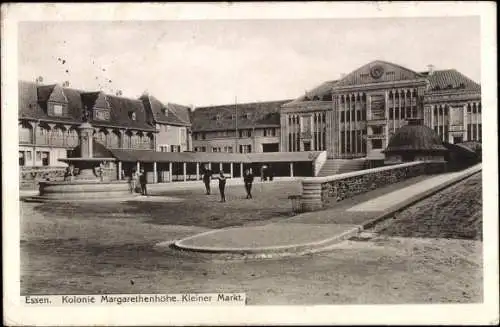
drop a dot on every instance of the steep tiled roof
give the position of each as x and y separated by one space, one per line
33 97
172 114
450 80
181 112
322 92
250 115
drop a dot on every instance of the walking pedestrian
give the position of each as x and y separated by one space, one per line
143 180
207 175
248 180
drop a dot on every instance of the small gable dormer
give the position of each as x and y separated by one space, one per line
96 103
132 115
57 102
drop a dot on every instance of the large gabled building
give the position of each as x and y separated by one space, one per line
49 116
355 116
237 128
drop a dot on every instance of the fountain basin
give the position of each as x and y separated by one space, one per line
83 190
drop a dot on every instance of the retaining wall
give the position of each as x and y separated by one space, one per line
317 191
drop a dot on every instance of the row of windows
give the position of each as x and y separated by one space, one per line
246 115
42 157
408 113
172 148
347 116
226 149
474 132
241 133
358 141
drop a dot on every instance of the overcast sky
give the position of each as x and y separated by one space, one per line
208 62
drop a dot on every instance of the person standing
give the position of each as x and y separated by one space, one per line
207 175
222 186
248 180
132 181
143 181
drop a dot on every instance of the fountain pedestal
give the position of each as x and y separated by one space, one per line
86 185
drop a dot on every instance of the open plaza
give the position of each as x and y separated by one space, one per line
429 252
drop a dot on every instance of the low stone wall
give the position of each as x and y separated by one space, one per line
317 191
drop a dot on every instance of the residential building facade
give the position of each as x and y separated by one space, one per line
237 128
172 123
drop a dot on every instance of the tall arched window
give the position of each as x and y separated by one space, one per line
43 133
102 136
128 139
57 135
150 141
71 137
114 139
136 140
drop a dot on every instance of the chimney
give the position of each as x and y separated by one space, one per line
430 69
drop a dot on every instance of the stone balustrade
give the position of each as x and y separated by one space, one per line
317 191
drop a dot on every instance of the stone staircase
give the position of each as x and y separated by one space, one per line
340 166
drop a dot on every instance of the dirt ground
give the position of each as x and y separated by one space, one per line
86 249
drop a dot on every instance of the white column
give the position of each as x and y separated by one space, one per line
155 174
220 167
184 169
231 167
291 169
170 171
432 117
465 122
399 107
197 171
241 169
210 165
119 170
477 122
393 111
138 166
405 104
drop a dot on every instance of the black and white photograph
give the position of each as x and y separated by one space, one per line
250 163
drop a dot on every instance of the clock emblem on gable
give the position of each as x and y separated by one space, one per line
377 71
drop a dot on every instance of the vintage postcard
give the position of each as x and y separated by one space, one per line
250 163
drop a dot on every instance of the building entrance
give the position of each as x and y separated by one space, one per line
307 146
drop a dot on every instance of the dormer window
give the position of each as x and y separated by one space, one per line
133 115
165 111
58 110
218 117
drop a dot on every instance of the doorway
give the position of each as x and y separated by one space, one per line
458 139
307 146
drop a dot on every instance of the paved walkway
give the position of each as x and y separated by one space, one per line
312 231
